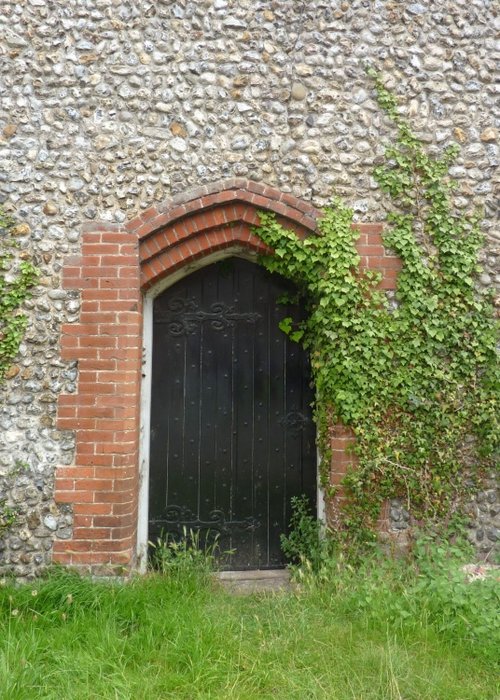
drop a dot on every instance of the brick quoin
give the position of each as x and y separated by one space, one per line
116 267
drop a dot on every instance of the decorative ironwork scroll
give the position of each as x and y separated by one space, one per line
183 317
294 422
179 518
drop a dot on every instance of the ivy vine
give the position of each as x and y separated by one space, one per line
416 380
17 277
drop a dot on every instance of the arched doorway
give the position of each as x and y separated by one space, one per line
120 272
232 438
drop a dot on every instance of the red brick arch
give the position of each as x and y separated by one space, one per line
211 220
117 266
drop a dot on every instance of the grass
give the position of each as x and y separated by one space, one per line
364 635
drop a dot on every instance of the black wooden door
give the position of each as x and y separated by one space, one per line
232 436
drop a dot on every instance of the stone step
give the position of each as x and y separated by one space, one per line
256 581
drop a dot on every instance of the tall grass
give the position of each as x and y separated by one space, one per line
380 631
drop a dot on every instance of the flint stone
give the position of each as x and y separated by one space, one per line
416 9
298 91
489 134
178 144
234 23
50 522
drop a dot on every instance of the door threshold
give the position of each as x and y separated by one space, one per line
254 581
253 574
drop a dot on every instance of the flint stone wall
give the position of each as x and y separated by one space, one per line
109 106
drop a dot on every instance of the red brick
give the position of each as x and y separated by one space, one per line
156 224
124 508
369 228
194 246
391 263
95 508
133 224
75 472
116 305
366 249
148 214
257 187
66 411
128 273
100 365
98 248
130 248
61 557
89 306
118 472
94 484
123 533
84 448
89 557
218 216
97 341
96 388
119 260
289 212
177 212
97 316
110 496
205 242
74 496
91 533
224 196
251 216
109 546
114 448
149 248
101 294
69 271
95 460
131 294
106 521
68 400
114 237
61 484
95 412
308 222
129 459
75 423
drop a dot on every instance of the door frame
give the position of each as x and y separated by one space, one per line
146 389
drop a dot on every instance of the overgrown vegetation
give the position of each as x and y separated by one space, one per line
8 516
17 276
417 381
187 554
380 632
305 546
430 579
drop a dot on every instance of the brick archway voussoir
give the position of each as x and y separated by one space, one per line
204 222
208 197
204 243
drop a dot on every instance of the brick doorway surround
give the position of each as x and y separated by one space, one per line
119 267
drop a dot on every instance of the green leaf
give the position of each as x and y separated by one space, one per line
286 324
